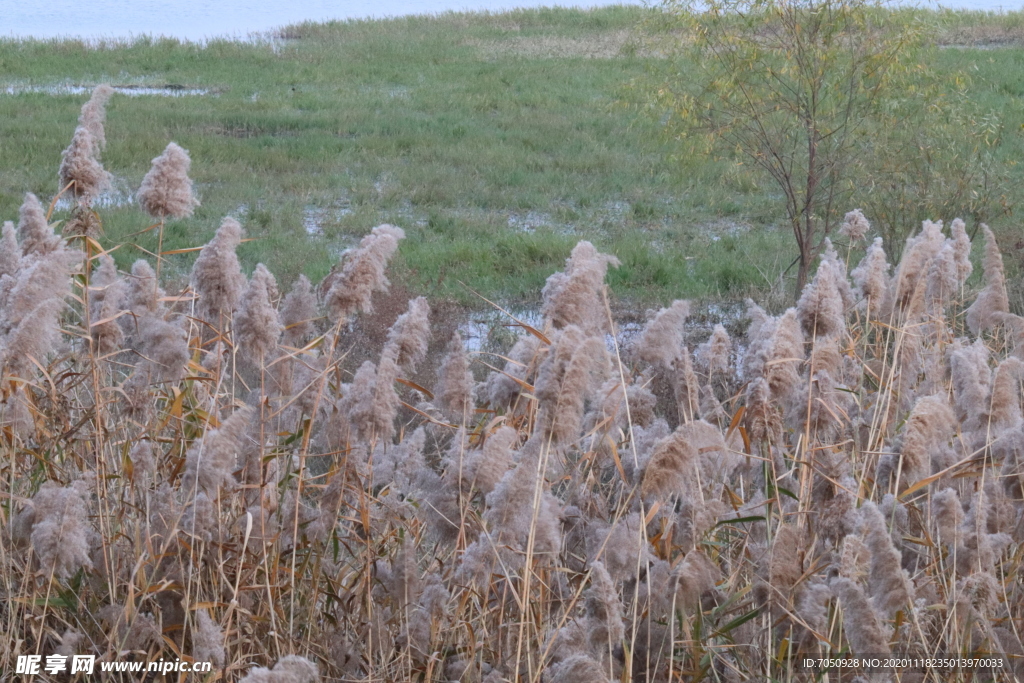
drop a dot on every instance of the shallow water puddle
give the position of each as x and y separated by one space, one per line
315 217
488 330
117 196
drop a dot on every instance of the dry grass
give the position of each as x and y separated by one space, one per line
793 496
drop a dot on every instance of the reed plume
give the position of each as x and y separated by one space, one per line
94 114
298 311
713 356
256 323
961 244
210 464
352 289
409 337
454 392
872 277
34 233
864 629
573 297
144 293
61 537
81 170
166 190
891 588
855 226
217 276
983 314
928 429
10 252
661 340
208 640
821 304
289 669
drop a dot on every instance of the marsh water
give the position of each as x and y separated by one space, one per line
198 20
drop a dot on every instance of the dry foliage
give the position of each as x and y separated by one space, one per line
206 475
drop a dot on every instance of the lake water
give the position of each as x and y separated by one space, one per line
201 19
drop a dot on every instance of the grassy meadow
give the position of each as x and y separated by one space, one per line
497 141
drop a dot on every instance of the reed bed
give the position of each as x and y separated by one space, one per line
205 474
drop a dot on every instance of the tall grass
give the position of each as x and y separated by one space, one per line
207 473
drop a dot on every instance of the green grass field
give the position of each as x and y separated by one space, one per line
497 142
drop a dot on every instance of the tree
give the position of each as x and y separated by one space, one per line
948 164
786 83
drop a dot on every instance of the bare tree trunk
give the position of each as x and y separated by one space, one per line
803 268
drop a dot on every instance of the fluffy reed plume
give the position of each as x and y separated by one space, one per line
661 340
1005 413
61 537
891 589
821 305
105 305
686 387
947 516
778 357
34 233
713 356
454 392
961 244
864 629
604 626
80 168
838 265
671 469
410 335
577 668
504 386
942 281
289 669
763 420
164 344
486 467
972 384
372 402
612 411
785 567
298 311
352 289
94 114
510 516
144 291
927 432
984 313
872 277
10 252
210 463
256 322
572 372
208 640
573 297
906 284
166 190
30 316
855 226
217 276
